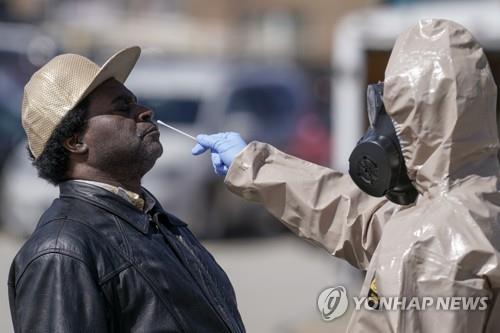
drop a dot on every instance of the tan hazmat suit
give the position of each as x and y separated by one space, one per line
440 94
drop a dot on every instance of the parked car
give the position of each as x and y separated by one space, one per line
24 196
265 103
22 49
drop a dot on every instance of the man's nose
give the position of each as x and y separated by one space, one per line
145 114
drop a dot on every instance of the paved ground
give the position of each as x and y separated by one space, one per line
277 281
8 249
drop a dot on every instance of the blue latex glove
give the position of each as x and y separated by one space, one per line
224 147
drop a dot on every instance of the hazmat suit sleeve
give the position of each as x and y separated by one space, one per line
319 204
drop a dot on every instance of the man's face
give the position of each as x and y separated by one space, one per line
120 134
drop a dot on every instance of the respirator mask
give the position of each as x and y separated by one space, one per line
376 164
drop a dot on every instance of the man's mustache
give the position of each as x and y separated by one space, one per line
152 128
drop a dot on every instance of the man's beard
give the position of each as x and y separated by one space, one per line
130 161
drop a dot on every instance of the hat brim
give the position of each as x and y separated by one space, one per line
118 66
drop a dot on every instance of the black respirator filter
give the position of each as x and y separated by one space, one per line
376 164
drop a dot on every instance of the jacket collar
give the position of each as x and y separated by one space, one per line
116 205
132 197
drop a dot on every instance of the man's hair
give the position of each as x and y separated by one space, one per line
53 163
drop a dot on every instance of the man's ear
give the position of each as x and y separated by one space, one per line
76 145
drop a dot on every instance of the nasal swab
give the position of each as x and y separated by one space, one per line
177 130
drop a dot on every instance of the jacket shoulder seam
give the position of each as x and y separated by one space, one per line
63 252
75 255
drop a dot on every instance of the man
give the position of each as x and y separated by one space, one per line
433 154
105 257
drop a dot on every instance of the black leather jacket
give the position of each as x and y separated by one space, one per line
95 263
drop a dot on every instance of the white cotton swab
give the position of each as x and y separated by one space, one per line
177 130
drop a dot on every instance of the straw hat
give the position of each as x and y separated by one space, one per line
57 87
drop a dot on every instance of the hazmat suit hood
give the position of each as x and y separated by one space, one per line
440 94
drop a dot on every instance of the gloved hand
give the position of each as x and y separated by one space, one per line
224 147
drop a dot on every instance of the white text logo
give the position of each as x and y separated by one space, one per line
398 303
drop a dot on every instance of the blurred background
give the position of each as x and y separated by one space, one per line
288 72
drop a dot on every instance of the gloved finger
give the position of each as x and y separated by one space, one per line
219 167
217 163
221 170
198 149
208 141
216 160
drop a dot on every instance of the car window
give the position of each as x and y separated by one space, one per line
174 110
267 103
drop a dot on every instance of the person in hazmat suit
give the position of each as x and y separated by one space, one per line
420 209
